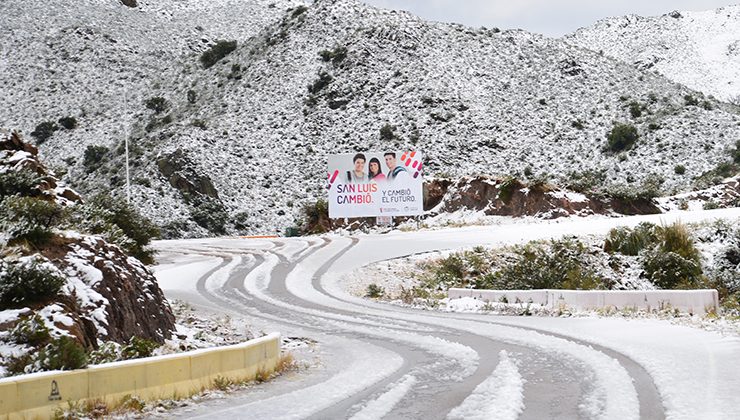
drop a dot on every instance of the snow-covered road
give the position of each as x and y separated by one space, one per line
382 361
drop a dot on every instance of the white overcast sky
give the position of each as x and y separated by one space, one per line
549 17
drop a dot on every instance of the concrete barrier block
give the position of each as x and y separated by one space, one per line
208 364
169 377
455 293
691 301
203 365
581 299
38 395
112 381
41 393
273 346
639 299
538 297
8 397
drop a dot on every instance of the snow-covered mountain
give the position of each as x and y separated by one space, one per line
700 50
247 139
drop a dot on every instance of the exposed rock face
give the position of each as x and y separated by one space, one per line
17 155
181 174
723 195
113 296
497 198
13 141
434 192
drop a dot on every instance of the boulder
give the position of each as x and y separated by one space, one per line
183 175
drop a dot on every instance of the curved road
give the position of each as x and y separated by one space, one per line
383 361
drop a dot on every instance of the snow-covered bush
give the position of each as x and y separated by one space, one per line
507 187
93 157
43 131
717 175
316 217
117 222
63 353
157 104
690 100
586 182
336 56
210 214
28 282
669 256
671 270
218 51
621 137
105 353
645 191
32 331
553 265
137 348
70 123
30 220
374 291
722 240
630 241
387 132
21 182
321 82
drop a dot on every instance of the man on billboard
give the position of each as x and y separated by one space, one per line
394 170
357 175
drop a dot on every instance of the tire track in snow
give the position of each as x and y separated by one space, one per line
382 405
500 397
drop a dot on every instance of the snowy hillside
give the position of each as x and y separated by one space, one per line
700 50
241 145
89 58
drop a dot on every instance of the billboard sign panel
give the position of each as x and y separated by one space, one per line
372 184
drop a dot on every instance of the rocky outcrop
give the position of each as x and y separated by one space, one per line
114 293
182 175
510 197
434 191
105 294
17 155
723 195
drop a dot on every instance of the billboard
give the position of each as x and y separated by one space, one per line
375 184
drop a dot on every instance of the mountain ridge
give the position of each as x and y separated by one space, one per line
340 76
698 49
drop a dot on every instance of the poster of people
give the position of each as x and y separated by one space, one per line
375 184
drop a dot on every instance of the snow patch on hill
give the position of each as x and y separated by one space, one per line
698 49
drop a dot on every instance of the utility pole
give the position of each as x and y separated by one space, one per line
125 136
